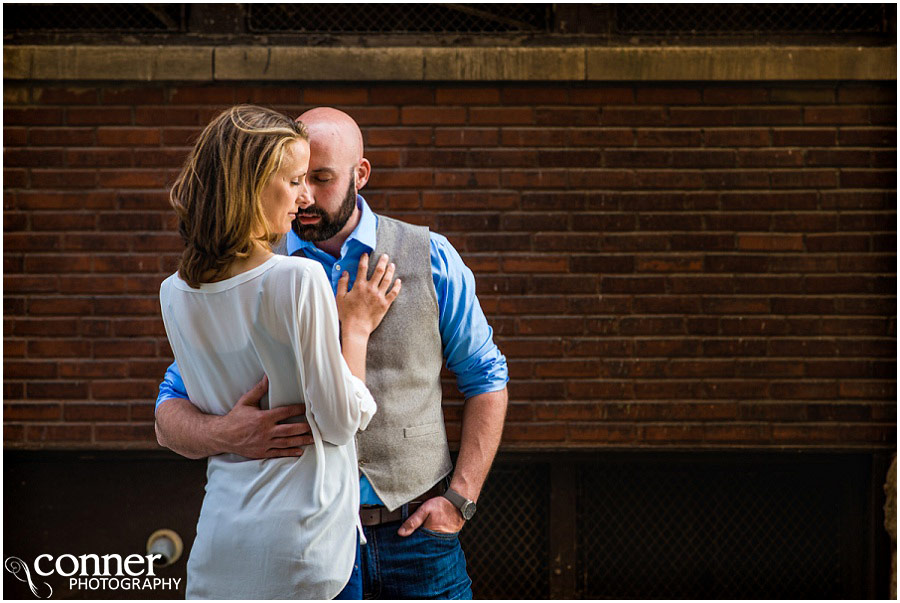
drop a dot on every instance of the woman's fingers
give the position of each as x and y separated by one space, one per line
343 283
378 273
363 268
394 292
388 278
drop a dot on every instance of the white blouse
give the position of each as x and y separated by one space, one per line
281 528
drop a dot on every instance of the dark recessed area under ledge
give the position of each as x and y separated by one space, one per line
589 525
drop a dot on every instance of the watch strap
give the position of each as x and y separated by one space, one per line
456 498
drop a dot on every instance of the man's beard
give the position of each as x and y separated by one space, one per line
329 225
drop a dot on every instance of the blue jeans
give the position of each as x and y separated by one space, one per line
424 565
353 590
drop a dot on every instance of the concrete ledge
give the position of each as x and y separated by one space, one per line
505 64
131 63
291 63
313 63
742 63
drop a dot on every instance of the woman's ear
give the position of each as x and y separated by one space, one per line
362 173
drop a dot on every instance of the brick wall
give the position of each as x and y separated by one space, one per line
664 266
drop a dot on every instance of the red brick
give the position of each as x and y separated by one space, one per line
680 179
433 115
56 390
773 157
15 137
372 116
130 432
31 412
726 95
134 178
550 95
402 178
128 137
337 95
54 264
692 116
769 116
465 137
534 137
602 96
836 115
58 433
737 137
877 390
32 116
398 136
601 137
14 178
855 93
467 96
124 390
144 95
633 117
202 95
804 137
500 115
534 432
96 412
401 95
822 178
668 138
167 116
770 242
882 137
868 178
802 96
94 117
600 433
65 96
667 96
567 116
603 179
32 158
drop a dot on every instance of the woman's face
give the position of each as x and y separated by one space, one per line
287 189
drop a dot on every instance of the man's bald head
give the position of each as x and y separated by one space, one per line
334 129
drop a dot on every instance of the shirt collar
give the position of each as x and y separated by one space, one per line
364 233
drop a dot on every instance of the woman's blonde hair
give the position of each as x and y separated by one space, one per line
217 194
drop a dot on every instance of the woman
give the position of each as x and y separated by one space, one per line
281 527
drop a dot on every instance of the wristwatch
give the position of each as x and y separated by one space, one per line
466 507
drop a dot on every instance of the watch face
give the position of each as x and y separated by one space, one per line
468 510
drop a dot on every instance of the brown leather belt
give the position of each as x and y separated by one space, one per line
375 516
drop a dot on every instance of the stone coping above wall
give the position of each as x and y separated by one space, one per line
242 63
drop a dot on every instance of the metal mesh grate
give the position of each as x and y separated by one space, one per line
507 543
677 532
726 19
398 18
93 17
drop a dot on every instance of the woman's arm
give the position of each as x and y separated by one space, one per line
336 398
362 309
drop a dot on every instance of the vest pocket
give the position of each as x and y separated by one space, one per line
421 430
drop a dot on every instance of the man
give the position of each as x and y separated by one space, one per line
411 519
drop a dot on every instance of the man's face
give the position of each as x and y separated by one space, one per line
317 224
332 183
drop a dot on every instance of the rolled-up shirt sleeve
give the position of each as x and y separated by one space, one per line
339 403
466 336
171 387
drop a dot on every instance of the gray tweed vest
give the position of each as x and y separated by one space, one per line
404 449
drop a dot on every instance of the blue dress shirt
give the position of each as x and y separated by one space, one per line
466 337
